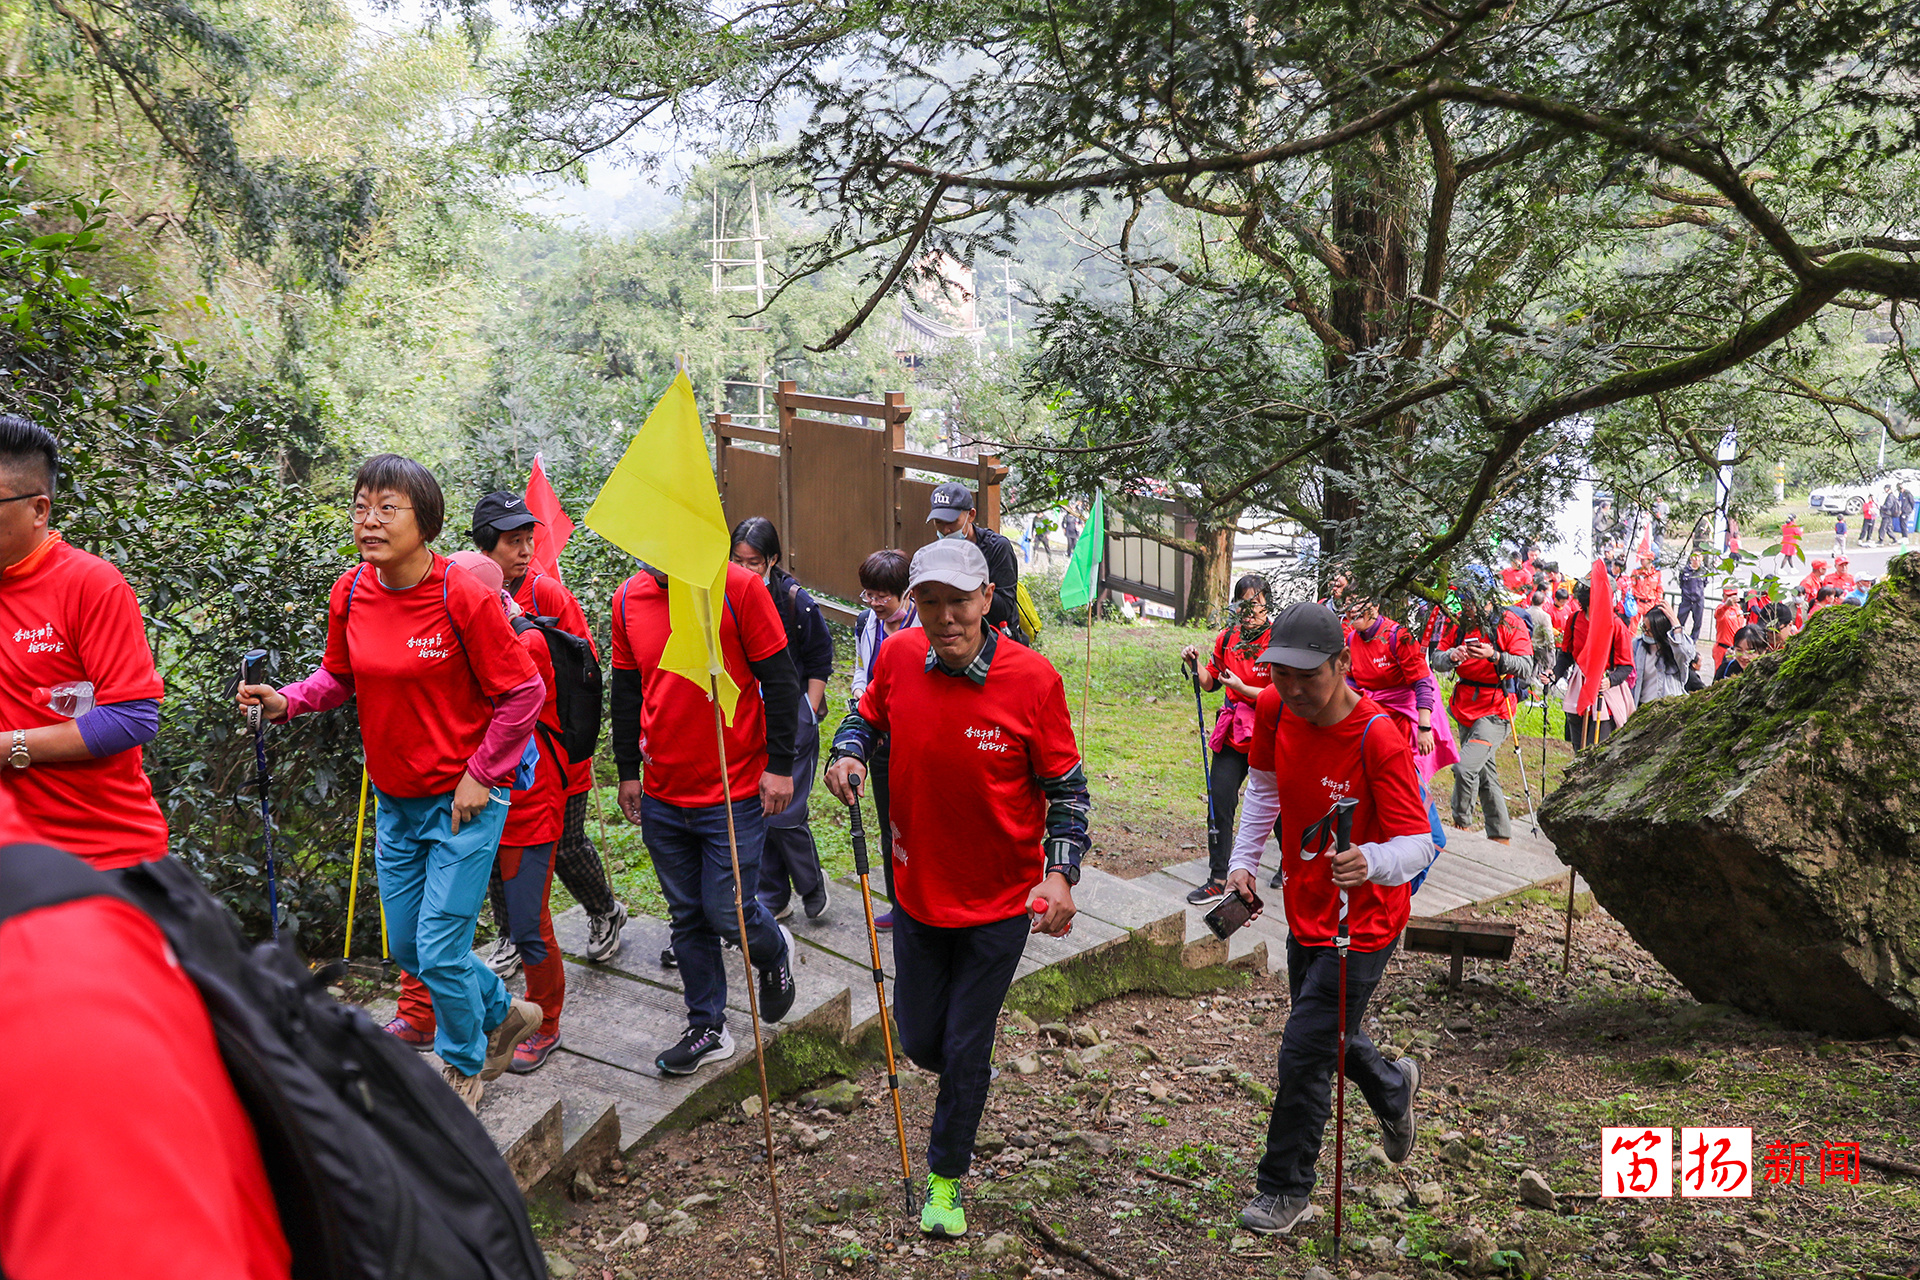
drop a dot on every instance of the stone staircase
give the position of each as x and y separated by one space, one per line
600 1092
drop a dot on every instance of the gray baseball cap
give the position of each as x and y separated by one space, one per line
951 501
1304 636
954 561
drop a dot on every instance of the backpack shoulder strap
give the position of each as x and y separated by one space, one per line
33 876
346 614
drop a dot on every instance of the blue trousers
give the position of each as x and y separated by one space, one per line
690 857
432 882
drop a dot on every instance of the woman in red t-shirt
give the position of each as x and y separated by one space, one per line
1235 666
447 700
536 814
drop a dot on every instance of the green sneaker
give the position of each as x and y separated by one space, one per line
941 1214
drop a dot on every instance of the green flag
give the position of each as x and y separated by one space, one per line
1083 570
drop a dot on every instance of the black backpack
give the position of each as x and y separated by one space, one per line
380 1172
576 680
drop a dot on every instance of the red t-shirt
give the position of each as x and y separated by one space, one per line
1392 659
967 838
1313 767
1517 578
134 1157
1790 534
426 664
537 813
66 615
1476 690
1575 639
542 596
676 715
1558 615
1227 657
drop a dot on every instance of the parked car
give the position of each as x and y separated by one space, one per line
1849 497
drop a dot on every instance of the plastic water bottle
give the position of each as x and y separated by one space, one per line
72 700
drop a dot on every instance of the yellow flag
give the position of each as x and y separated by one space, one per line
662 505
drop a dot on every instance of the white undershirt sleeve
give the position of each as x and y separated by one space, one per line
1259 810
1394 861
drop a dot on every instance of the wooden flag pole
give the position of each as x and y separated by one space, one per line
353 882
753 995
1587 725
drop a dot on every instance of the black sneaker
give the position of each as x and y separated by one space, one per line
1207 894
1278 878
1275 1215
815 904
699 1045
1397 1134
776 983
668 960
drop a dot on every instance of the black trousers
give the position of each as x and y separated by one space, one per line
1577 731
575 861
880 839
946 1002
1228 776
1308 1049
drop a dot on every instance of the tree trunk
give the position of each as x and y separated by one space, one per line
1369 228
1210 589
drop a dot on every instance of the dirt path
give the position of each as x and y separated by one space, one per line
1522 1066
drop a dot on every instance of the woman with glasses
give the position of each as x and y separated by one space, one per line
790 863
1235 666
889 609
447 700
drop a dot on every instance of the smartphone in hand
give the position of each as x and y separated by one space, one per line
1232 912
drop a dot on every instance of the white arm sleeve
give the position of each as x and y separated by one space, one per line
864 643
1394 861
1259 810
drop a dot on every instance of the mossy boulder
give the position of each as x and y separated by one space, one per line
1762 838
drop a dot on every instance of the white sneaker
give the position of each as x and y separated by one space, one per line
603 934
505 959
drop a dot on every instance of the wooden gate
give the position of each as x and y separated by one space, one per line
839 491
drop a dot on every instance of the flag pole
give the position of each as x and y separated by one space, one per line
753 996
1566 952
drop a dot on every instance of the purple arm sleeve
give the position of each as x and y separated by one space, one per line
114 727
513 719
321 691
1426 693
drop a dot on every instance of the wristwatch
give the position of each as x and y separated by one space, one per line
1069 870
18 757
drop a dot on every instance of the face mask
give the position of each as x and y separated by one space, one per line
960 533
898 614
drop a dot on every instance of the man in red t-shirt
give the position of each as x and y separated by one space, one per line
1727 619
503 529
1317 740
134 1158
989 815
1487 646
79 695
663 722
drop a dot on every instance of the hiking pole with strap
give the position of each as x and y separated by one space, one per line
1342 841
859 836
253 670
353 882
1206 769
1533 810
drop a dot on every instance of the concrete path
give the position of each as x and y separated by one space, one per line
620 1014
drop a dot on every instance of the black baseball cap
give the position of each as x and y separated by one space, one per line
504 511
1304 636
950 501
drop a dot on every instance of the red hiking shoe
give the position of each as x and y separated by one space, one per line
530 1053
408 1034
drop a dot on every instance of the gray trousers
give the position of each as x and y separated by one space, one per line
1477 771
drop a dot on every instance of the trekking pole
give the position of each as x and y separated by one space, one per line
880 990
753 995
1342 840
1526 789
252 671
353 882
1206 769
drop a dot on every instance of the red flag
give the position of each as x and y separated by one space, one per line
1597 647
551 534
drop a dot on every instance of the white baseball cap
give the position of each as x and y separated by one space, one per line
954 561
